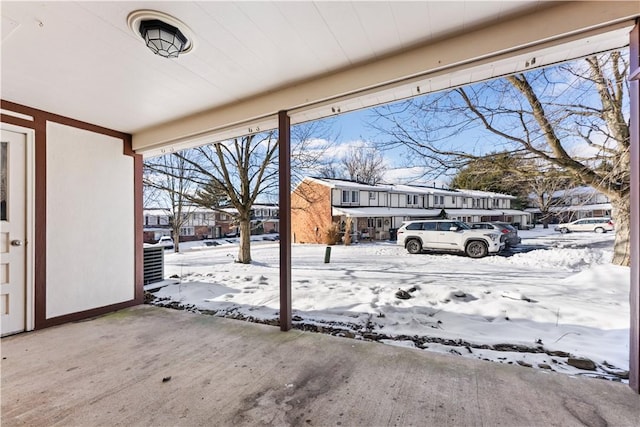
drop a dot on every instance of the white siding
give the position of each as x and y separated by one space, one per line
90 221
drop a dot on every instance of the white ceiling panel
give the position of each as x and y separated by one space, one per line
80 59
378 15
306 23
412 24
347 29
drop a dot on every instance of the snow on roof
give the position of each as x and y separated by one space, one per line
480 212
514 212
404 188
156 212
490 194
415 212
383 211
582 208
576 191
343 183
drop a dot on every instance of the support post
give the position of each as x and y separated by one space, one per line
284 191
634 294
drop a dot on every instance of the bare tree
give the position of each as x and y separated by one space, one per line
329 170
543 186
309 145
242 169
364 164
151 196
173 178
237 173
571 116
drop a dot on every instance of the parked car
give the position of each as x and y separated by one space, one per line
233 233
448 235
599 225
508 233
165 241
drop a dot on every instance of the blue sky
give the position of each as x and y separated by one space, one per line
352 126
352 129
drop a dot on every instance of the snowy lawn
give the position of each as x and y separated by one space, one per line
555 299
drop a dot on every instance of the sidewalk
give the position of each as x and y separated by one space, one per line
160 367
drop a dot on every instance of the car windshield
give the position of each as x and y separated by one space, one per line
462 225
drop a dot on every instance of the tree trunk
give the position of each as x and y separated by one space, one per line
622 219
175 235
244 252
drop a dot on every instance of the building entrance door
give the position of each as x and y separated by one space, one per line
13 284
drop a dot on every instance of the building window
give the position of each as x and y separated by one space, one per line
370 222
187 231
350 196
412 199
453 200
372 195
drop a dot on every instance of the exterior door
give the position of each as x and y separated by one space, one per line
13 284
446 238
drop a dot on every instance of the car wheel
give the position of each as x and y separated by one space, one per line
564 230
414 246
599 230
476 249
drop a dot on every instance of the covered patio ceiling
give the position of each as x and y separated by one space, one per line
253 59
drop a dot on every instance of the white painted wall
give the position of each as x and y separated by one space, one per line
90 221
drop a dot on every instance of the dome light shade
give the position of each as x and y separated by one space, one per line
163 39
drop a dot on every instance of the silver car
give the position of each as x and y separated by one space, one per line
598 225
508 233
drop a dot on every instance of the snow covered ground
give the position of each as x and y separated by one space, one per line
556 298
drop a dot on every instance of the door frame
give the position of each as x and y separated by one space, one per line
29 221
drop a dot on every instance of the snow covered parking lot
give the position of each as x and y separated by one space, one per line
556 298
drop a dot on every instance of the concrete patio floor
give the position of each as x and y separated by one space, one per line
115 369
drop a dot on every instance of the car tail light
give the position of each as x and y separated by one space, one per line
505 231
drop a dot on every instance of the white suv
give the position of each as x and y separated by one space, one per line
448 235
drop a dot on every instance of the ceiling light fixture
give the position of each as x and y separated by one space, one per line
162 39
164 35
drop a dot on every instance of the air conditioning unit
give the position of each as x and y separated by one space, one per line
153 264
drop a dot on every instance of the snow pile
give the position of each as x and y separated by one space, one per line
556 298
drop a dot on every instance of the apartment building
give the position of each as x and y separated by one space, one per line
376 211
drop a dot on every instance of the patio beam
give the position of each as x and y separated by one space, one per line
284 191
634 294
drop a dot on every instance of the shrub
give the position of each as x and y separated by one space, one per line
347 231
332 234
